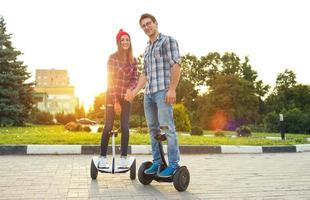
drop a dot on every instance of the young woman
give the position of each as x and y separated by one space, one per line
122 78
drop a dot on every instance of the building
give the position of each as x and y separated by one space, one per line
53 92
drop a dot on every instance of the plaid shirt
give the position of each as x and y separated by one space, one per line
159 57
121 77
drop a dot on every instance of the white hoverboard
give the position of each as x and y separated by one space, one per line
131 166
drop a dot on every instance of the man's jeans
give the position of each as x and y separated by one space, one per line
158 114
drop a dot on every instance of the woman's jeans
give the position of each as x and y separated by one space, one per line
158 114
108 126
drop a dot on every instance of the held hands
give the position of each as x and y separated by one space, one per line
170 96
130 95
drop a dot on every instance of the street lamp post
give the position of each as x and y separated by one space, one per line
282 126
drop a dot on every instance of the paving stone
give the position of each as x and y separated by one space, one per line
213 176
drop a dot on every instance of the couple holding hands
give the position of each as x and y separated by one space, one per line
160 77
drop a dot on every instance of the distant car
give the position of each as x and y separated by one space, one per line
86 121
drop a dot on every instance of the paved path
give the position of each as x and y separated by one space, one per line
213 176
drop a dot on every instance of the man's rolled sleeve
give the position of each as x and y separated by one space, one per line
172 49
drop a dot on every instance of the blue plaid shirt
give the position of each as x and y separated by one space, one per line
159 57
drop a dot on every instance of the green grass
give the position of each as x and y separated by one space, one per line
56 134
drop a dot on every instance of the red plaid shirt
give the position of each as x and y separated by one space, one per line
121 76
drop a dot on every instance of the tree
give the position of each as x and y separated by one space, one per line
137 108
79 111
209 70
16 96
99 101
287 94
231 102
98 107
285 80
181 118
187 91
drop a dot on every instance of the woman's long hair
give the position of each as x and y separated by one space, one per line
125 56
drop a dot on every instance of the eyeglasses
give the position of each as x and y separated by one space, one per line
146 24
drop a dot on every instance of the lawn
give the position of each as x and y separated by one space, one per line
56 134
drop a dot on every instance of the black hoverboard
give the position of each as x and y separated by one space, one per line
180 177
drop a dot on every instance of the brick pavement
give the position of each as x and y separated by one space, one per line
213 176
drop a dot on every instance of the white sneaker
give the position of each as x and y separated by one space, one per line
103 162
123 162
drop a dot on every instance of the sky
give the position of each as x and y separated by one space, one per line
79 35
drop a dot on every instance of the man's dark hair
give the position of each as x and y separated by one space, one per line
147 15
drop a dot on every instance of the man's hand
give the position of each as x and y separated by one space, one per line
170 96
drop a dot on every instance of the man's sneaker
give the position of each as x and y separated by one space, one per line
167 172
103 162
152 170
123 162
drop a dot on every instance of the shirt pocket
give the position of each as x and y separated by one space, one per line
157 53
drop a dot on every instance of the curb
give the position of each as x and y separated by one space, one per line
146 149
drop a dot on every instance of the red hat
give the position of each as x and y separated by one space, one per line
120 34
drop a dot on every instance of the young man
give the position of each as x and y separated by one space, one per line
160 79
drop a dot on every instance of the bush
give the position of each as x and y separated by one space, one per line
87 129
257 128
196 131
137 121
143 130
41 117
295 121
73 126
271 122
218 133
65 118
116 125
100 129
181 118
243 131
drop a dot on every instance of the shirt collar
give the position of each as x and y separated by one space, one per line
159 36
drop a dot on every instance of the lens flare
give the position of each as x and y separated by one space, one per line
218 120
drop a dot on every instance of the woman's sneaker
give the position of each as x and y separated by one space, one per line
103 162
152 170
123 162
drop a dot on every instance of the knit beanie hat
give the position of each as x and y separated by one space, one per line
120 34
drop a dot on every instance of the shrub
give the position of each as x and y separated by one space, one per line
73 126
257 128
65 118
181 118
143 130
295 121
243 131
117 125
100 129
196 131
41 117
87 129
271 122
218 133
137 121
